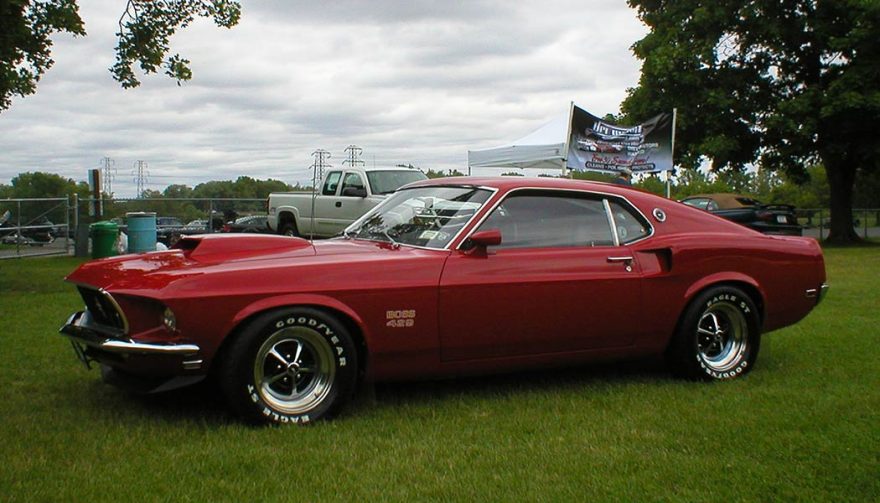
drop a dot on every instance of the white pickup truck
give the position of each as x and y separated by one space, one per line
343 196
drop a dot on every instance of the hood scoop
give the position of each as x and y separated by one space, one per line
211 247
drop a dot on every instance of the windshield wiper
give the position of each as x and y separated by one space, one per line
381 231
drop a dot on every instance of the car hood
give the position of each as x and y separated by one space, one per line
200 255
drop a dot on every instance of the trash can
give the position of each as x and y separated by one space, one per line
103 236
141 232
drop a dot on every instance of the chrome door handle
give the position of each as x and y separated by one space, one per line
627 261
620 259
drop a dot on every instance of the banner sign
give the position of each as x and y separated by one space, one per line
599 145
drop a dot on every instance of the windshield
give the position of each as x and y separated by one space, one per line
425 216
386 182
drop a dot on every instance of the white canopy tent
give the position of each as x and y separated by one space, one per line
581 141
544 148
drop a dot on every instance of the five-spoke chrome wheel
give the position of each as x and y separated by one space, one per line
722 336
294 369
289 365
718 335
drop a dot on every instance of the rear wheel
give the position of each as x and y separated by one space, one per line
295 365
718 337
288 229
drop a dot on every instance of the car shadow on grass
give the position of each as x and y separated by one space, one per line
202 403
649 371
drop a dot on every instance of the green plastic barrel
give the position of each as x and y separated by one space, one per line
103 236
141 231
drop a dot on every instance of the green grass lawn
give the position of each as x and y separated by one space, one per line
804 425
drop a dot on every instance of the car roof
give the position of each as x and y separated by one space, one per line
726 200
505 183
379 168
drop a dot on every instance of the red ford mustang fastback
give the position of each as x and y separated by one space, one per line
446 277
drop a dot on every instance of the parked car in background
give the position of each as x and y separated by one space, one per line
766 218
38 231
254 224
446 277
167 228
195 227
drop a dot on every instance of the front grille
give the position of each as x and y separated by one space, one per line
103 308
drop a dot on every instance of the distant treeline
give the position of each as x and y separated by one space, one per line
812 192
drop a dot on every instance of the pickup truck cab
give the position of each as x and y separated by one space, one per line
342 197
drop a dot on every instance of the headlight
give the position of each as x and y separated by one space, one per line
169 320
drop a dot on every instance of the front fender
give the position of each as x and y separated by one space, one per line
313 300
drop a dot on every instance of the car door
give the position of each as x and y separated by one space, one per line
560 281
324 205
347 209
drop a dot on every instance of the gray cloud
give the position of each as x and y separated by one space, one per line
417 81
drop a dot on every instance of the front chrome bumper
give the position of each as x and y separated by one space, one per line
81 329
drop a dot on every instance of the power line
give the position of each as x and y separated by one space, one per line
354 156
108 173
141 176
319 165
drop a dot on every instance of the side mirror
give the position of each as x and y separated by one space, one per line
477 244
354 192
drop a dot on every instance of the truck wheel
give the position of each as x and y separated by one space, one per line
294 365
289 229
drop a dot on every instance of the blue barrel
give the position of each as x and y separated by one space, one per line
141 231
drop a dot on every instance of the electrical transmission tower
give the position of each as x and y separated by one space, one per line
319 165
108 173
354 156
141 175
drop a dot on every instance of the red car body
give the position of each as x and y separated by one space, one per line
416 312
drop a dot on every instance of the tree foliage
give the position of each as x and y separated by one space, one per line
38 184
782 84
145 29
442 174
25 46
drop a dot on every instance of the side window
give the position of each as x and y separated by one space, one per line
331 183
711 206
629 223
545 219
352 180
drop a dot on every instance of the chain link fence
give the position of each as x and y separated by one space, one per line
35 227
816 222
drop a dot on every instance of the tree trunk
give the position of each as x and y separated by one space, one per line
841 178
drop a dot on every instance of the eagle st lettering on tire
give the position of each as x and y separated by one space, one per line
295 365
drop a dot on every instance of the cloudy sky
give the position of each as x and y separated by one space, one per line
416 81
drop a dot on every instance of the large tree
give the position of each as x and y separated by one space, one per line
145 29
39 184
784 84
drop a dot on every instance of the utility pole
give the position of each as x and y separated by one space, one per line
319 165
108 173
141 174
354 156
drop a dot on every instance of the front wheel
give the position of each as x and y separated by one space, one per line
295 365
718 337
